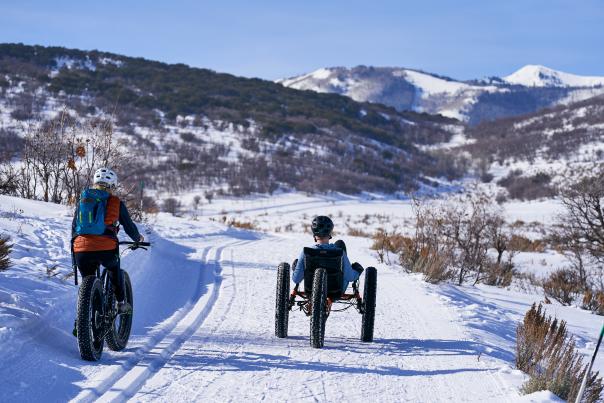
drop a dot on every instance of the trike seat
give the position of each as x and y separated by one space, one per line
331 261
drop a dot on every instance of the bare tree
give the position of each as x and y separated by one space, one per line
61 155
9 179
196 202
583 220
580 229
467 223
171 205
209 196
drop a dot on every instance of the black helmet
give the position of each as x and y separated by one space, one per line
321 226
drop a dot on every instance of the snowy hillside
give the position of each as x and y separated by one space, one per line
556 144
203 315
184 127
525 91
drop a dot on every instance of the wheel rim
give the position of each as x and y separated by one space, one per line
120 323
97 319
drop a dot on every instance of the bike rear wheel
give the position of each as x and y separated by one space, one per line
119 332
91 319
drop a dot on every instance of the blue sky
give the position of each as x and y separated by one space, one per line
272 39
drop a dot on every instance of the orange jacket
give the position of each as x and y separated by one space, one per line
95 243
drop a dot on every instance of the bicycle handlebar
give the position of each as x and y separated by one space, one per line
134 243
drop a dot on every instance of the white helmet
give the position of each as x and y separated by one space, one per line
105 176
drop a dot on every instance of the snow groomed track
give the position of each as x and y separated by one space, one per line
204 331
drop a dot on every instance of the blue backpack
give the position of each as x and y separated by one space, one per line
91 212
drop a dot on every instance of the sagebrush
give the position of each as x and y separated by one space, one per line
547 353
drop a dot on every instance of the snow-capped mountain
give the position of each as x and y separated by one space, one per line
529 89
541 76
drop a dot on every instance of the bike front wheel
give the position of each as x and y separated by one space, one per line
91 319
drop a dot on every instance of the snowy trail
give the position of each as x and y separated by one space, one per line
125 381
204 329
419 353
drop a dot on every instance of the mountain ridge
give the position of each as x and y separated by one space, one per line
253 134
469 100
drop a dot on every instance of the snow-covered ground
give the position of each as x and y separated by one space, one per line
204 311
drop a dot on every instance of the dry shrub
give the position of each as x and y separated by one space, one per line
593 301
529 283
243 225
546 352
500 275
386 243
563 285
358 232
523 244
435 267
5 249
171 205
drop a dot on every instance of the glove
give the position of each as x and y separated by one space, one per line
141 239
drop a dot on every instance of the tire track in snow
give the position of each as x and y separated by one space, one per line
215 325
132 380
111 376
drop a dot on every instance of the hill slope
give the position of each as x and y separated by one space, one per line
215 128
531 154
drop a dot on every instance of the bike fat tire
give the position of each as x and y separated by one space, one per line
90 319
319 309
282 301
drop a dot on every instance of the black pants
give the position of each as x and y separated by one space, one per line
88 263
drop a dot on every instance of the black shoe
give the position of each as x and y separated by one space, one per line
124 308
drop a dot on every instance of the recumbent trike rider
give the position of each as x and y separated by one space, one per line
323 267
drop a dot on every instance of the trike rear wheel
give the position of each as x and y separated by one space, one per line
369 297
282 301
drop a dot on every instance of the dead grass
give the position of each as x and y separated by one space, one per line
523 244
246 225
358 232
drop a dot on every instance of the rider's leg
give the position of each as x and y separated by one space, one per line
356 266
340 244
87 263
110 260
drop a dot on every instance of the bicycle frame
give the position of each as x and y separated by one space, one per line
109 311
305 305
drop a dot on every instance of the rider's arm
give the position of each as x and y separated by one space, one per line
298 273
127 223
349 274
